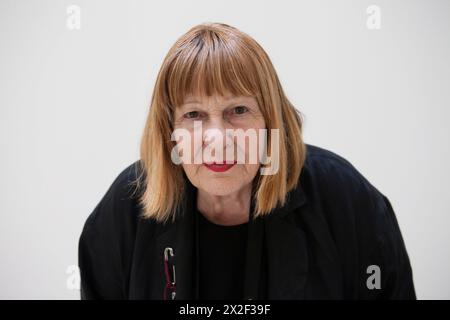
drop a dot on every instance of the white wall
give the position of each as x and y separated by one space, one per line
73 104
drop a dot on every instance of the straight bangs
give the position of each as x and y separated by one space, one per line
208 65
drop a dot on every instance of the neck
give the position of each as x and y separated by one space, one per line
229 210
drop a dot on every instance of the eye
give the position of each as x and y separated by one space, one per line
239 110
192 115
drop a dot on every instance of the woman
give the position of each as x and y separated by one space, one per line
181 223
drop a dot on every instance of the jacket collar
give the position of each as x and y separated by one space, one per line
277 237
294 200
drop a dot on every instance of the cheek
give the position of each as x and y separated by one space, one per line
192 171
251 170
244 173
252 149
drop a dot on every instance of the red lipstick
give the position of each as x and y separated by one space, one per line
219 166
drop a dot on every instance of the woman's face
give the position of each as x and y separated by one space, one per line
221 160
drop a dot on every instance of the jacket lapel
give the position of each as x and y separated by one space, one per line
148 278
283 237
287 263
294 234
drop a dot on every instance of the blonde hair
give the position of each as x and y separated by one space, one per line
216 59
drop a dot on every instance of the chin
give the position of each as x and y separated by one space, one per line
220 188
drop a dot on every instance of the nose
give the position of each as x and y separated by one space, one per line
218 142
215 133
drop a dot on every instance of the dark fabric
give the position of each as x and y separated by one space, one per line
222 252
334 227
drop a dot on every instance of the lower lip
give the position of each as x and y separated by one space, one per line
219 167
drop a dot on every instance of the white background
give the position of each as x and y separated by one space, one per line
73 105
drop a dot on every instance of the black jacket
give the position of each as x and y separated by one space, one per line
323 244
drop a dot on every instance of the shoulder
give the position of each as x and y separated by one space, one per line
334 168
120 200
113 221
107 238
349 202
328 171
361 221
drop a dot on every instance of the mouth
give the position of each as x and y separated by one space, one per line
220 166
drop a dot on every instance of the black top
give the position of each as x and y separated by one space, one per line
222 251
319 245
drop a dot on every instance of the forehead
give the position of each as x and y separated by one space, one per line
213 99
